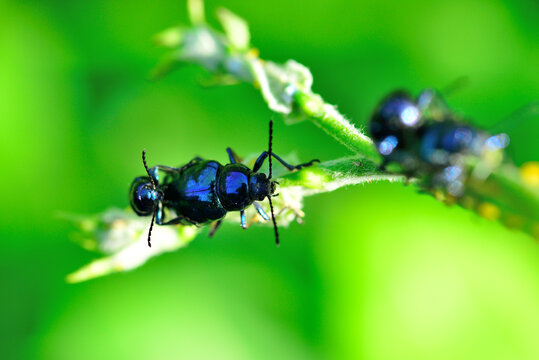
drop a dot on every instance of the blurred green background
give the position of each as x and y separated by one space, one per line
376 272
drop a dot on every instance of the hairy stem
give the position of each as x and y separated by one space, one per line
334 123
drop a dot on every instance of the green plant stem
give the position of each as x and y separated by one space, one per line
332 122
504 188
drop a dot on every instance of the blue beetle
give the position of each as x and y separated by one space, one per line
430 142
203 191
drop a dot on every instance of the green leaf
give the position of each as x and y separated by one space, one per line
236 29
195 8
122 236
171 37
279 82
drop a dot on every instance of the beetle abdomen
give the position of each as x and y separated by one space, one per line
194 193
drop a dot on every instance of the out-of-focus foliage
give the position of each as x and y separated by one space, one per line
376 272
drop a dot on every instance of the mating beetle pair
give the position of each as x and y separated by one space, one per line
430 142
203 191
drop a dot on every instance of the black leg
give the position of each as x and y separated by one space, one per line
191 163
177 220
214 226
260 161
232 156
264 155
164 168
291 167
171 170
180 220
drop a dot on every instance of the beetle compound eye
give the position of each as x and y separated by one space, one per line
145 197
142 196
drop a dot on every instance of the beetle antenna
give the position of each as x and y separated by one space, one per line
154 187
274 222
269 178
146 167
269 147
151 226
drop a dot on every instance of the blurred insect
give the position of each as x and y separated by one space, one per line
428 141
203 191
422 138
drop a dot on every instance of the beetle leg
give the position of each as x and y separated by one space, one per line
154 171
177 220
260 161
190 163
214 226
242 217
264 155
159 214
233 157
259 216
292 167
165 168
261 211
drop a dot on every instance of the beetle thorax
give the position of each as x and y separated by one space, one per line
239 187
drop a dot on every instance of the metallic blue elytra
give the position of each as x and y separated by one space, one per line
193 193
428 141
203 191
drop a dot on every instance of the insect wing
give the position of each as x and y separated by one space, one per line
433 106
522 124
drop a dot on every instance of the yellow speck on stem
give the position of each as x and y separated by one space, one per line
253 52
439 195
529 172
489 211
